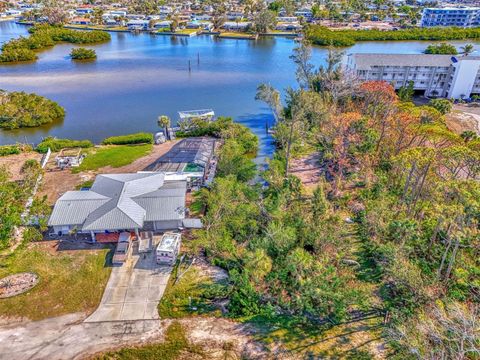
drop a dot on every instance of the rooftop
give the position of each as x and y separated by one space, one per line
366 61
121 201
188 151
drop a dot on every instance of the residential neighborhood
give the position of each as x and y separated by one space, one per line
239 179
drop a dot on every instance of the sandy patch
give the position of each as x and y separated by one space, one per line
464 117
307 169
15 162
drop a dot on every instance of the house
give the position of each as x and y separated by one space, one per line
81 21
288 26
84 11
122 202
163 25
236 26
446 76
451 16
137 24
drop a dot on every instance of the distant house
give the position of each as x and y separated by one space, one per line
81 21
236 26
288 26
84 11
122 202
163 24
137 24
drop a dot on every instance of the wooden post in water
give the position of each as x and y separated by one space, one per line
266 126
198 58
189 66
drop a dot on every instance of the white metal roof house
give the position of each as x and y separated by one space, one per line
122 202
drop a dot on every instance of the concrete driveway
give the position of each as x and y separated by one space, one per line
133 290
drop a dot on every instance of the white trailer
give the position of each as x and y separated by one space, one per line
168 248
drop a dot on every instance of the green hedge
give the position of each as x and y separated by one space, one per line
44 36
57 144
320 35
9 150
138 138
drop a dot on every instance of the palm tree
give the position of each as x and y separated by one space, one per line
467 49
164 122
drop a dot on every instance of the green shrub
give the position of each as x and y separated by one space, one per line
43 36
320 35
57 144
19 109
9 150
83 54
138 138
443 48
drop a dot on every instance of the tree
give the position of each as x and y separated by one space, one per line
270 96
467 49
301 57
54 11
444 106
405 93
163 121
264 21
443 48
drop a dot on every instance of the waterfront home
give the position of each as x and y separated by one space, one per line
122 202
204 25
289 26
80 21
236 26
446 76
163 25
138 24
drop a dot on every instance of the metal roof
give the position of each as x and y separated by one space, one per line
121 201
193 114
192 150
366 61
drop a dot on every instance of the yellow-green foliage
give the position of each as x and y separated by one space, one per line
19 109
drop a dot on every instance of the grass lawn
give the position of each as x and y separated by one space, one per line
193 288
175 346
70 281
186 31
114 156
237 35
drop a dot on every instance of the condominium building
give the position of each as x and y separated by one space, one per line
435 75
464 17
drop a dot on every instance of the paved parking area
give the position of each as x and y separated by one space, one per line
133 290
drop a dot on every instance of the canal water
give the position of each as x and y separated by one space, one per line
138 77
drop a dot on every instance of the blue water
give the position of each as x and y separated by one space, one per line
136 78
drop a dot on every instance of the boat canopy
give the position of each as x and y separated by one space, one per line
196 114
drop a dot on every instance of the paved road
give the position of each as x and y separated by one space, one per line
133 290
67 337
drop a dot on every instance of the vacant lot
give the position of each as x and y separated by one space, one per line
15 162
71 280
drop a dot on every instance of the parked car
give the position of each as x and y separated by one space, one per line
122 251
